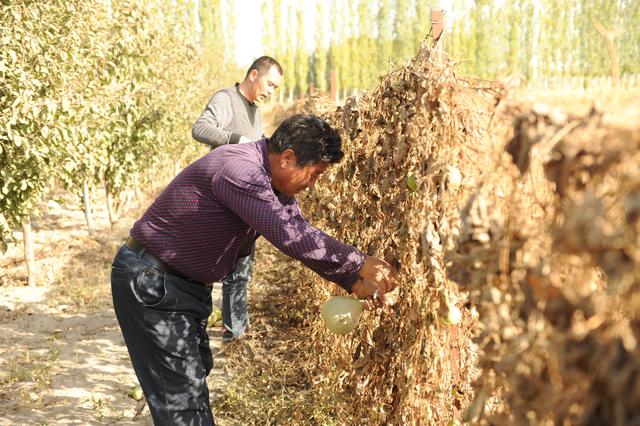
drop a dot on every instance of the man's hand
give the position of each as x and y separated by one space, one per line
377 278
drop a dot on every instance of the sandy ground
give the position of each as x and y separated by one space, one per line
62 357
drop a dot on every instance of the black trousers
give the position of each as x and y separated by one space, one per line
163 319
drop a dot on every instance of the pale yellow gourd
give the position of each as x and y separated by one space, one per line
341 313
216 315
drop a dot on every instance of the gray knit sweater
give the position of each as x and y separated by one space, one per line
228 116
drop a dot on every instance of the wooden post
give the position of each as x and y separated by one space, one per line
138 191
29 258
438 33
333 84
609 36
88 215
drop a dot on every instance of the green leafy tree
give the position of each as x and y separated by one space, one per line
320 55
269 40
345 64
213 31
355 46
334 59
403 41
513 41
301 58
385 34
630 37
38 62
289 54
421 23
92 94
368 55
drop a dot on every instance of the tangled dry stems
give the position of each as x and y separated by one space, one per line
524 217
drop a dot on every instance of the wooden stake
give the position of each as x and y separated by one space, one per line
608 36
88 215
333 86
438 33
29 257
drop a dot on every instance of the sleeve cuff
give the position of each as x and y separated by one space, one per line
348 284
348 281
234 138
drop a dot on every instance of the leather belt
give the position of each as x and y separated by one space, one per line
138 248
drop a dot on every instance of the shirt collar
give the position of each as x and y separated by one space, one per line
253 104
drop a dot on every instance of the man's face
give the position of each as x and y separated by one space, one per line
305 177
265 84
293 178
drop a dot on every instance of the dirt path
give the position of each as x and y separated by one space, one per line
62 357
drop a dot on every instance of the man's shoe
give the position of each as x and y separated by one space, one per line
227 336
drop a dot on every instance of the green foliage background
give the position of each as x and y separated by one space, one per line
102 93
360 40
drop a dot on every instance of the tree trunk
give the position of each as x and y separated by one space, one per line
88 215
113 217
138 193
29 257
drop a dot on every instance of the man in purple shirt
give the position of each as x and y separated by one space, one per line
193 234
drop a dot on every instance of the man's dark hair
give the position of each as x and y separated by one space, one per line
264 64
310 137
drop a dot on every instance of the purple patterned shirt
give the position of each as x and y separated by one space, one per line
212 212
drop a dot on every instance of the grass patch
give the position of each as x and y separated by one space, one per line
270 382
32 367
267 393
85 282
25 377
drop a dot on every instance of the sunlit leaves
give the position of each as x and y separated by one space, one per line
88 95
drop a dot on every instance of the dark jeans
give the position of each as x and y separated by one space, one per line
163 319
235 314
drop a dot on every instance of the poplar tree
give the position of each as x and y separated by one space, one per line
356 56
497 39
526 40
345 66
229 38
212 35
334 51
513 40
421 23
366 46
279 43
301 57
385 35
320 55
403 40
268 33
630 37
289 55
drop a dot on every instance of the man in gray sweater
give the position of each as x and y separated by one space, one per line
232 116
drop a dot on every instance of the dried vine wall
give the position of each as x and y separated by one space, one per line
523 217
